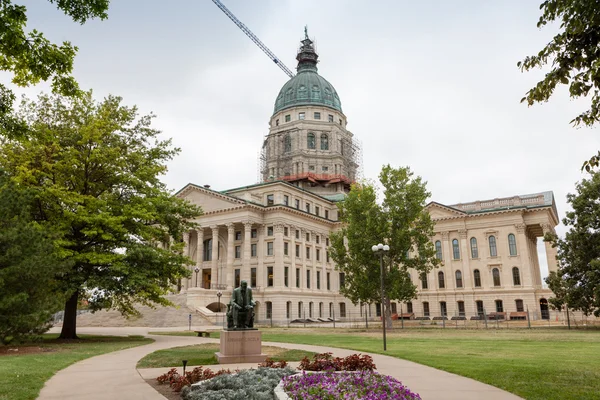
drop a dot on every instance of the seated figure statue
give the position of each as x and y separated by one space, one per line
240 310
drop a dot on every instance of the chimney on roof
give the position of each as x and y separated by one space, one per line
207 186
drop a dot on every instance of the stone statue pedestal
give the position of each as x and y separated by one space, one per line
241 346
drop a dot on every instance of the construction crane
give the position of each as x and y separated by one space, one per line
253 37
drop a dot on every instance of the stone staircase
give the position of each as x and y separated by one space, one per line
157 317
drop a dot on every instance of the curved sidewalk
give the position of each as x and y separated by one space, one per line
113 376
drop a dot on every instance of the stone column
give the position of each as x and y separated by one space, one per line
214 265
278 250
550 251
292 281
303 258
186 250
261 253
526 267
230 255
200 247
465 254
246 256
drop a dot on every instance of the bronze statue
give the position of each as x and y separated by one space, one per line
240 310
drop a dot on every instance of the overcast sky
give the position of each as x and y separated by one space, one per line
430 84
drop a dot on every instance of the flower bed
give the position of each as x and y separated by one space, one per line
359 385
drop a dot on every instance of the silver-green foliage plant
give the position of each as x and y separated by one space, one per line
256 384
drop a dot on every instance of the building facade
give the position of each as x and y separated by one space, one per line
275 234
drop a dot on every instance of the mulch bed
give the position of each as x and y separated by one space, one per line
165 390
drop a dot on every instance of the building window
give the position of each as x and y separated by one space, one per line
253 250
330 118
301 115
438 250
328 281
307 253
297 233
519 304
317 115
461 308
310 141
237 278
277 122
287 144
324 142
426 309
317 211
300 309
480 309
423 280
310 309
238 252
496 276
318 280
512 245
378 309
286 276
443 308
342 310
308 237
298 251
326 255
516 276
286 200
253 277
288 118
341 122
285 248
327 217
326 241
238 235
325 168
307 207
288 309
318 255
474 251
321 310
499 307
269 231
441 282
493 250
409 307
297 204
455 249
342 279
269 248
297 277
286 231
270 276
207 254
317 238
477 276
459 282
253 233
308 278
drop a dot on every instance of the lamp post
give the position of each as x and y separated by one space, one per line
381 250
196 270
219 294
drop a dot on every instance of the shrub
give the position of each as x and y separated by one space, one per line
198 374
325 362
270 363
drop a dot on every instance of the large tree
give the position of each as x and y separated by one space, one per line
574 56
400 221
28 264
94 168
577 281
32 58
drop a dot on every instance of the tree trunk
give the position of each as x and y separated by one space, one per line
69 328
388 313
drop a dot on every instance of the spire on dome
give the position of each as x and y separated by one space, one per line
307 56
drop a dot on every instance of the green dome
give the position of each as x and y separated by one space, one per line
307 87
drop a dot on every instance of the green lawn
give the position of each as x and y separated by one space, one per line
204 354
535 364
23 376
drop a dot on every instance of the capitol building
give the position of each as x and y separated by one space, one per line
275 234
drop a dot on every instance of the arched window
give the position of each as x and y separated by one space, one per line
330 310
310 309
321 310
207 255
342 310
324 142
426 309
474 251
458 279
496 276
288 309
287 144
438 250
519 305
300 309
423 280
310 141
316 92
455 249
477 278
441 282
493 250
516 276
512 245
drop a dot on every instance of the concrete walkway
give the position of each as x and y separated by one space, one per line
113 376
